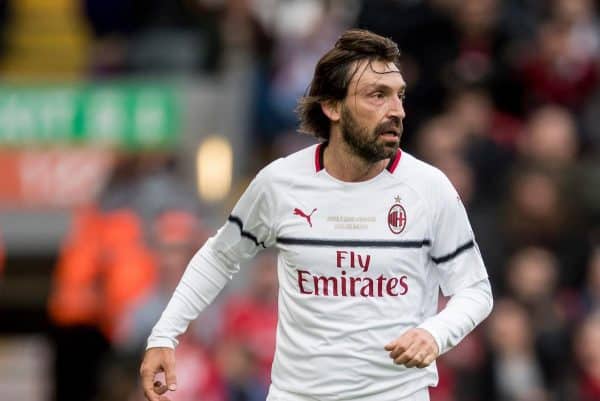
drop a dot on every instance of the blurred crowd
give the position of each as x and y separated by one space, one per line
503 96
116 270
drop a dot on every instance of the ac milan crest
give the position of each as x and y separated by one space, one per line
397 217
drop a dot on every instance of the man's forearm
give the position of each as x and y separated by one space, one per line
465 310
205 276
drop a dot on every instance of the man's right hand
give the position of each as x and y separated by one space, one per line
157 360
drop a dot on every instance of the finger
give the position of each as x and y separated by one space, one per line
399 352
426 351
416 360
170 374
402 345
148 384
404 341
393 344
428 360
151 395
414 354
407 355
160 388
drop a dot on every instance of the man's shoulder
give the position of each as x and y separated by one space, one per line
429 180
300 162
420 173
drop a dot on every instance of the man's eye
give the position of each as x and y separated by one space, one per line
378 95
402 96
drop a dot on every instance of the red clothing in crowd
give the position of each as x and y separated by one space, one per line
253 324
589 389
197 375
568 86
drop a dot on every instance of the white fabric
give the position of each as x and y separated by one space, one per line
348 284
277 395
462 313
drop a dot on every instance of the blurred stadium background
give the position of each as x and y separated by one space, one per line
128 128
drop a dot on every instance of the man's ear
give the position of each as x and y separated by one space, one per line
332 110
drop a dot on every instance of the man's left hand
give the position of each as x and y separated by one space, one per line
416 347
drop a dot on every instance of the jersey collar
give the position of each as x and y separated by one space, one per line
320 150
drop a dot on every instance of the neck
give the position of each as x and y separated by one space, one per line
341 163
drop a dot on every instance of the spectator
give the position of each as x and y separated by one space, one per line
551 138
424 61
557 72
462 369
302 31
440 137
237 366
175 237
250 319
490 136
587 355
533 281
475 113
591 292
537 212
105 265
131 36
516 372
581 17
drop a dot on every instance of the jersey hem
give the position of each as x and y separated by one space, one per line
401 392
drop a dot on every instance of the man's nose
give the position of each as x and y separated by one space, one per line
397 108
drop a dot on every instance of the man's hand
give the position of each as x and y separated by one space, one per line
157 360
416 347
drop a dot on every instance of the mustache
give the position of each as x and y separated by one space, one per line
393 124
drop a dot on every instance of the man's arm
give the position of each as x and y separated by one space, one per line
466 309
460 268
205 276
246 232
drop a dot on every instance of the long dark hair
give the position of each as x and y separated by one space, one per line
335 71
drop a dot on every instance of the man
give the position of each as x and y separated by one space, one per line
366 235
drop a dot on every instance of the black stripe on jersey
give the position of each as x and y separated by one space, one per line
358 243
238 222
454 254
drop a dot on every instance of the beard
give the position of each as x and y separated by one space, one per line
367 144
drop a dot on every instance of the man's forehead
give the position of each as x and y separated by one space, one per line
373 73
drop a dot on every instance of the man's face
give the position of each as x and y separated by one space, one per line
372 112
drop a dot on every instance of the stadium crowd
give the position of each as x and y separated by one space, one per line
503 96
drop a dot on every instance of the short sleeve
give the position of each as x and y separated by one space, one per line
454 250
249 226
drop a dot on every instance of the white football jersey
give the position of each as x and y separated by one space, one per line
359 264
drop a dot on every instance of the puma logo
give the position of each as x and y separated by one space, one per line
300 213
